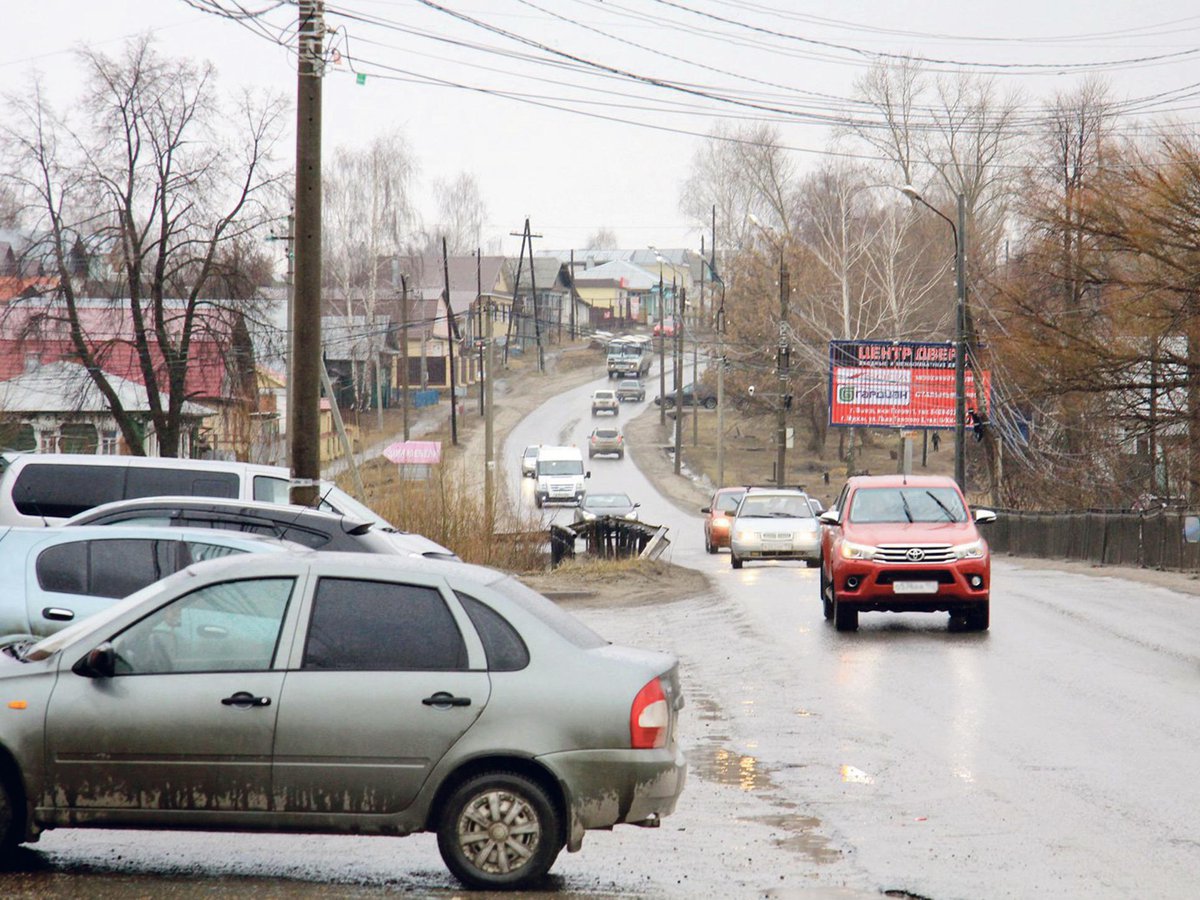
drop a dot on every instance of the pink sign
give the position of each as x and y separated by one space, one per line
414 453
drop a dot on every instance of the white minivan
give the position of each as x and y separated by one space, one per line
39 489
560 475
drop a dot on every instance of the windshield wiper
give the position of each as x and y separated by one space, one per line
907 511
942 506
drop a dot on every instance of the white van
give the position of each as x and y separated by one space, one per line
560 475
39 489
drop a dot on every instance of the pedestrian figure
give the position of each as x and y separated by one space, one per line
936 441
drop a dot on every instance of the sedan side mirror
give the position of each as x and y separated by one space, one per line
587 474
706 509
101 662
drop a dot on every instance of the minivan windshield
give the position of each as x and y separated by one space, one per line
908 504
560 467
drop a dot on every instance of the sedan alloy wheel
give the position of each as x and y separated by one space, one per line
499 830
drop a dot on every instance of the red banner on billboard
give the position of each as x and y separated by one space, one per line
897 384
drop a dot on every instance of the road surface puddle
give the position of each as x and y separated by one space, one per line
725 767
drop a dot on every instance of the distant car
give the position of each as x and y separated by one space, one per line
606 442
598 504
692 396
817 506
905 543
327 692
311 528
630 390
529 461
605 401
55 576
666 328
774 523
718 516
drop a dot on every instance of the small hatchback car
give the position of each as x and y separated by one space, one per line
605 401
342 693
904 543
718 516
774 523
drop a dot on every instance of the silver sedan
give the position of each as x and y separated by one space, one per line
774 524
342 693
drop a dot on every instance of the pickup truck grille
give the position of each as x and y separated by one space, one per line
917 555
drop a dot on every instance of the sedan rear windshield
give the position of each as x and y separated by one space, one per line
558 620
908 504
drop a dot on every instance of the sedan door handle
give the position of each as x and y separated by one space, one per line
444 699
245 700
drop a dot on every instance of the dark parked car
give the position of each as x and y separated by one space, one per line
692 395
309 527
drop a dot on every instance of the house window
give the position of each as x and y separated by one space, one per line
17 436
79 438
109 442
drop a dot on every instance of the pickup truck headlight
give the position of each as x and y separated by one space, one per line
973 550
850 550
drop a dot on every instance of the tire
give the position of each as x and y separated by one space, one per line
520 810
538 500
845 618
710 402
669 403
620 454
11 816
734 561
977 618
812 563
826 596
708 546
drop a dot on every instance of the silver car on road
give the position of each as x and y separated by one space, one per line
774 523
342 693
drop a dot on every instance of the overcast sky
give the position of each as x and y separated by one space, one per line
549 103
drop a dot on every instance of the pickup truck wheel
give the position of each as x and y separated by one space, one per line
977 618
826 599
845 618
11 817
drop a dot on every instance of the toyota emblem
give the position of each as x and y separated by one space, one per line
915 554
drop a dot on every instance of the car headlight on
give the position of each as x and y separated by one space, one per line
851 550
973 550
746 534
720 524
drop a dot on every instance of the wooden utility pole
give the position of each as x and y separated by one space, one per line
451 336
489 439
781 367
404 349
677 357
306 333
479 330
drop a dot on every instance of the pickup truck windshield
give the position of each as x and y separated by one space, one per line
914 504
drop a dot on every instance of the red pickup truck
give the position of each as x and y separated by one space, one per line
904 543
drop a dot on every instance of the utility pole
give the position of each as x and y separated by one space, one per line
662 350
489 439
781 365
404 349
719 324
537 321
306 305
451 336
678 359
479 309
960 347
695 352
574 333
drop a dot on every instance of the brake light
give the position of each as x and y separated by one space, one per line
649 717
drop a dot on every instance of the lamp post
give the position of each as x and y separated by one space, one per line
960 326
662 362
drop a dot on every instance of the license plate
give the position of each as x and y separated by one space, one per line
915 587
777 545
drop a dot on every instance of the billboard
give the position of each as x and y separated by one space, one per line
898 384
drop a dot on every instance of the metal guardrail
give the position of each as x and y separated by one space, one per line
1152 539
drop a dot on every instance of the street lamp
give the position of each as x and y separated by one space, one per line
960 328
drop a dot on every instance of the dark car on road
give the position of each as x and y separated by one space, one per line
311 528
692 396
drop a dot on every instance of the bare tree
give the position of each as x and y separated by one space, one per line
152 182
461 212
603 238
894 92
368 215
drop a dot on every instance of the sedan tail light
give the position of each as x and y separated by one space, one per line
649 717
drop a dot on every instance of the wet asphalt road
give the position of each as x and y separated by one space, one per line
1053 756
